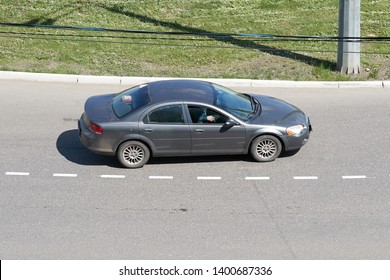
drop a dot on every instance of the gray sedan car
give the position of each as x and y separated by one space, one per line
190 118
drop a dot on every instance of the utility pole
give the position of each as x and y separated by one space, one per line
348 58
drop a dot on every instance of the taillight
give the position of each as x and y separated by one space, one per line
95 128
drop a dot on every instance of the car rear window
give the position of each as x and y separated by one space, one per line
130 99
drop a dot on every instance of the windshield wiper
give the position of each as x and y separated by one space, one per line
254 102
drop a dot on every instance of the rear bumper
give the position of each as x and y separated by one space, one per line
92 141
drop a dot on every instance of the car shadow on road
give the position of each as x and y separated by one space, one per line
198 159
218 158
69 146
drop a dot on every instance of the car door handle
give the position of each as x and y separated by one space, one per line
148 130
199 130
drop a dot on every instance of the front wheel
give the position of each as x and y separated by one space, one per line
265 148
133 154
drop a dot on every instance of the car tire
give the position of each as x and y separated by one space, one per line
265 148
133 154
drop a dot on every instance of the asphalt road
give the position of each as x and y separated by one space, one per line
328 201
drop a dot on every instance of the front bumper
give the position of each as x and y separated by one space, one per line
294 142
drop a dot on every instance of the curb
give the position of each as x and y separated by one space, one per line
114 80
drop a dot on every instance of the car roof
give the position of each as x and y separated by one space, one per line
181 90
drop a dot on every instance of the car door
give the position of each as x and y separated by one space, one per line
166 128
211 134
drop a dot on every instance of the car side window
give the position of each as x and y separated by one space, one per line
171 114
205 115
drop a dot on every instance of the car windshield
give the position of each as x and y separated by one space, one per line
130 100
240 105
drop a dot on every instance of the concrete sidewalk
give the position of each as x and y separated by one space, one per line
86 79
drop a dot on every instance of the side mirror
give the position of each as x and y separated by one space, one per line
230 123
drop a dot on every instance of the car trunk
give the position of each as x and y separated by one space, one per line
98 108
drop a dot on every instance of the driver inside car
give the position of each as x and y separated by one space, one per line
204 118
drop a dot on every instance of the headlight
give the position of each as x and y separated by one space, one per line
295 130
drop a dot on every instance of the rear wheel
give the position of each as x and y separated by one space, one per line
265 148
133 154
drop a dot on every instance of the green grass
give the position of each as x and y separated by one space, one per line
124 54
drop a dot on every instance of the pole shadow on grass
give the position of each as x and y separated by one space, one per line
313 61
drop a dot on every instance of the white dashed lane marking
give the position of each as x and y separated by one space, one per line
113 176
354 177
64 175
208 178
161 177
257 178
305 178
17 173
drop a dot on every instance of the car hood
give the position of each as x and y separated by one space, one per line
278 112
98 108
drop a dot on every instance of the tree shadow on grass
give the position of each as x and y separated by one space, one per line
313 61
53 18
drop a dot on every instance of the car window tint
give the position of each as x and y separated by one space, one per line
130 100
205 115
172 114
